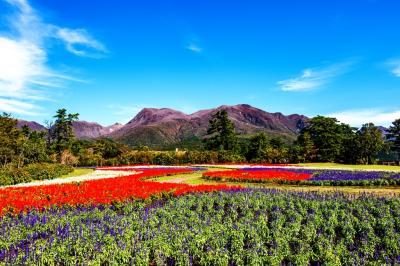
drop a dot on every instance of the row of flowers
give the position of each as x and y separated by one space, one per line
304 176
248 175
101 191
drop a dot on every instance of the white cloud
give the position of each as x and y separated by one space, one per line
25 74
78 38
15 106
395 65
396 71
359 117
194 48
313 78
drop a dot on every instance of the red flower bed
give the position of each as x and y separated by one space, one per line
243 175
100 191
251 164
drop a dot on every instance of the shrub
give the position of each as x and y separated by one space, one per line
11 175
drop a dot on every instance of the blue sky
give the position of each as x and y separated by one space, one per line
108 59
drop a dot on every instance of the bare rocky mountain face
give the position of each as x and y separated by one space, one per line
162 127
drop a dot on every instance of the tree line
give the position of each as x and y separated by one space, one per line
323 139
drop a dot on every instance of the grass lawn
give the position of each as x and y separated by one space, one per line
351 166
78 172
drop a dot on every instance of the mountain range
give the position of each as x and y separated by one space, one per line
166 127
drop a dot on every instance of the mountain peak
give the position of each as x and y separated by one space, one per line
154 115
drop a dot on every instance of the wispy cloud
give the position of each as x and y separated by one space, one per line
313 78
194 47
395 67
80 38
396 71
193 43
15 106
25 74
358 117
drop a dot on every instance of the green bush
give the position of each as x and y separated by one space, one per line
11 175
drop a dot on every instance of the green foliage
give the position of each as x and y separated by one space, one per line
221 133
394 135
327 136
258 144
369 143
184 157
264 150
325 140
305 147
11 140
34 146
61 133
11 175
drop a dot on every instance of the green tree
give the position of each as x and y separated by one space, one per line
349 153
394 135
34 148
221 133
327 134
108 148
276 155
306 150
370 142
257 146
62 132
277 143
11 140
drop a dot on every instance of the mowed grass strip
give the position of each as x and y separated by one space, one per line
78 172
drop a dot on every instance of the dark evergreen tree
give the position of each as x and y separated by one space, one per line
221 133
305 151
257 146
394 135
62 132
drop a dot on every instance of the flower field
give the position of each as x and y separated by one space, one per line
101 191
240 227
303 176
255 176
130 220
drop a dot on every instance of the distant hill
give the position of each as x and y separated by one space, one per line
31 124
82 129
90 130
162 128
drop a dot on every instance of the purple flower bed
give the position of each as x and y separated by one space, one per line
294 170
334 175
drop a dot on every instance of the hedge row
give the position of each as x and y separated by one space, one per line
11 175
